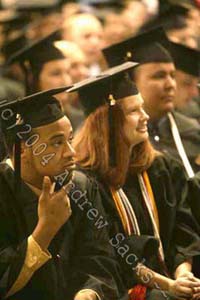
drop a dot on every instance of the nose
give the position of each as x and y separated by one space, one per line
68 151
95 42
66 79
194 91
170 82
83 71
144 115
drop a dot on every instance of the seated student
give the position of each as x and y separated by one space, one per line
144 192
53 244
45 67
187 75
169 130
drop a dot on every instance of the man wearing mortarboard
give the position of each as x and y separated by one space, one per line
169 131
187 62
52 246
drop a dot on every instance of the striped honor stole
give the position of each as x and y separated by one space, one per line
130 223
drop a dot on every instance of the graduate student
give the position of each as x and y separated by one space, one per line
53 242
187 75
144 192
169 130
45 67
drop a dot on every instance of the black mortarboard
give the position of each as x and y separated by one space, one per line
109 86
12 21
172 15
144 48
105 3
37 54
96 91
20 116
14 45
185 58
43 7
173 8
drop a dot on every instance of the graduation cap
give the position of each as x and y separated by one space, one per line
146 47
21 115
172 15
37 54
105 3
12 21
43 7
14 45
107 88
174 7
186 59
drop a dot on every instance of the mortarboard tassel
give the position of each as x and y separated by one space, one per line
112 152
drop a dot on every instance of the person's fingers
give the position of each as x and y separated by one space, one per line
185 291
67 188
196 289
196 296
196 280
46 186
189 283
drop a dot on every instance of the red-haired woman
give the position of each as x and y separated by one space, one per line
144 192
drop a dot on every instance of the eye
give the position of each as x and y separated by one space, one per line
173 75
57 143
159 75
70 140
55 73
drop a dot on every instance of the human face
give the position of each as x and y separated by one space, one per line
54 74
87 32
135 125
79 68
157 85
186 89
58 155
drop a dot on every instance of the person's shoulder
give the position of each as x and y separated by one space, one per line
84 179
5 170
185 123
6 179
166 163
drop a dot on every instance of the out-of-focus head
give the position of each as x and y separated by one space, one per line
44 65
115 29
187 62
85 30
78 62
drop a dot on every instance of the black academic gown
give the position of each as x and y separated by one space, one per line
179 231
81 255
193 201
189 129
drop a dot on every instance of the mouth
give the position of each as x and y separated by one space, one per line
169 98
142 129
69 166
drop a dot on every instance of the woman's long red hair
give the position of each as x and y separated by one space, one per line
92 146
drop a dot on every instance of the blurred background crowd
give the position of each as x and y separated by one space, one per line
81 29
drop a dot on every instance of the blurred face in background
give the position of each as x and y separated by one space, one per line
186 89
87 32
55 74
79 68
78 63
157 85
184 36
